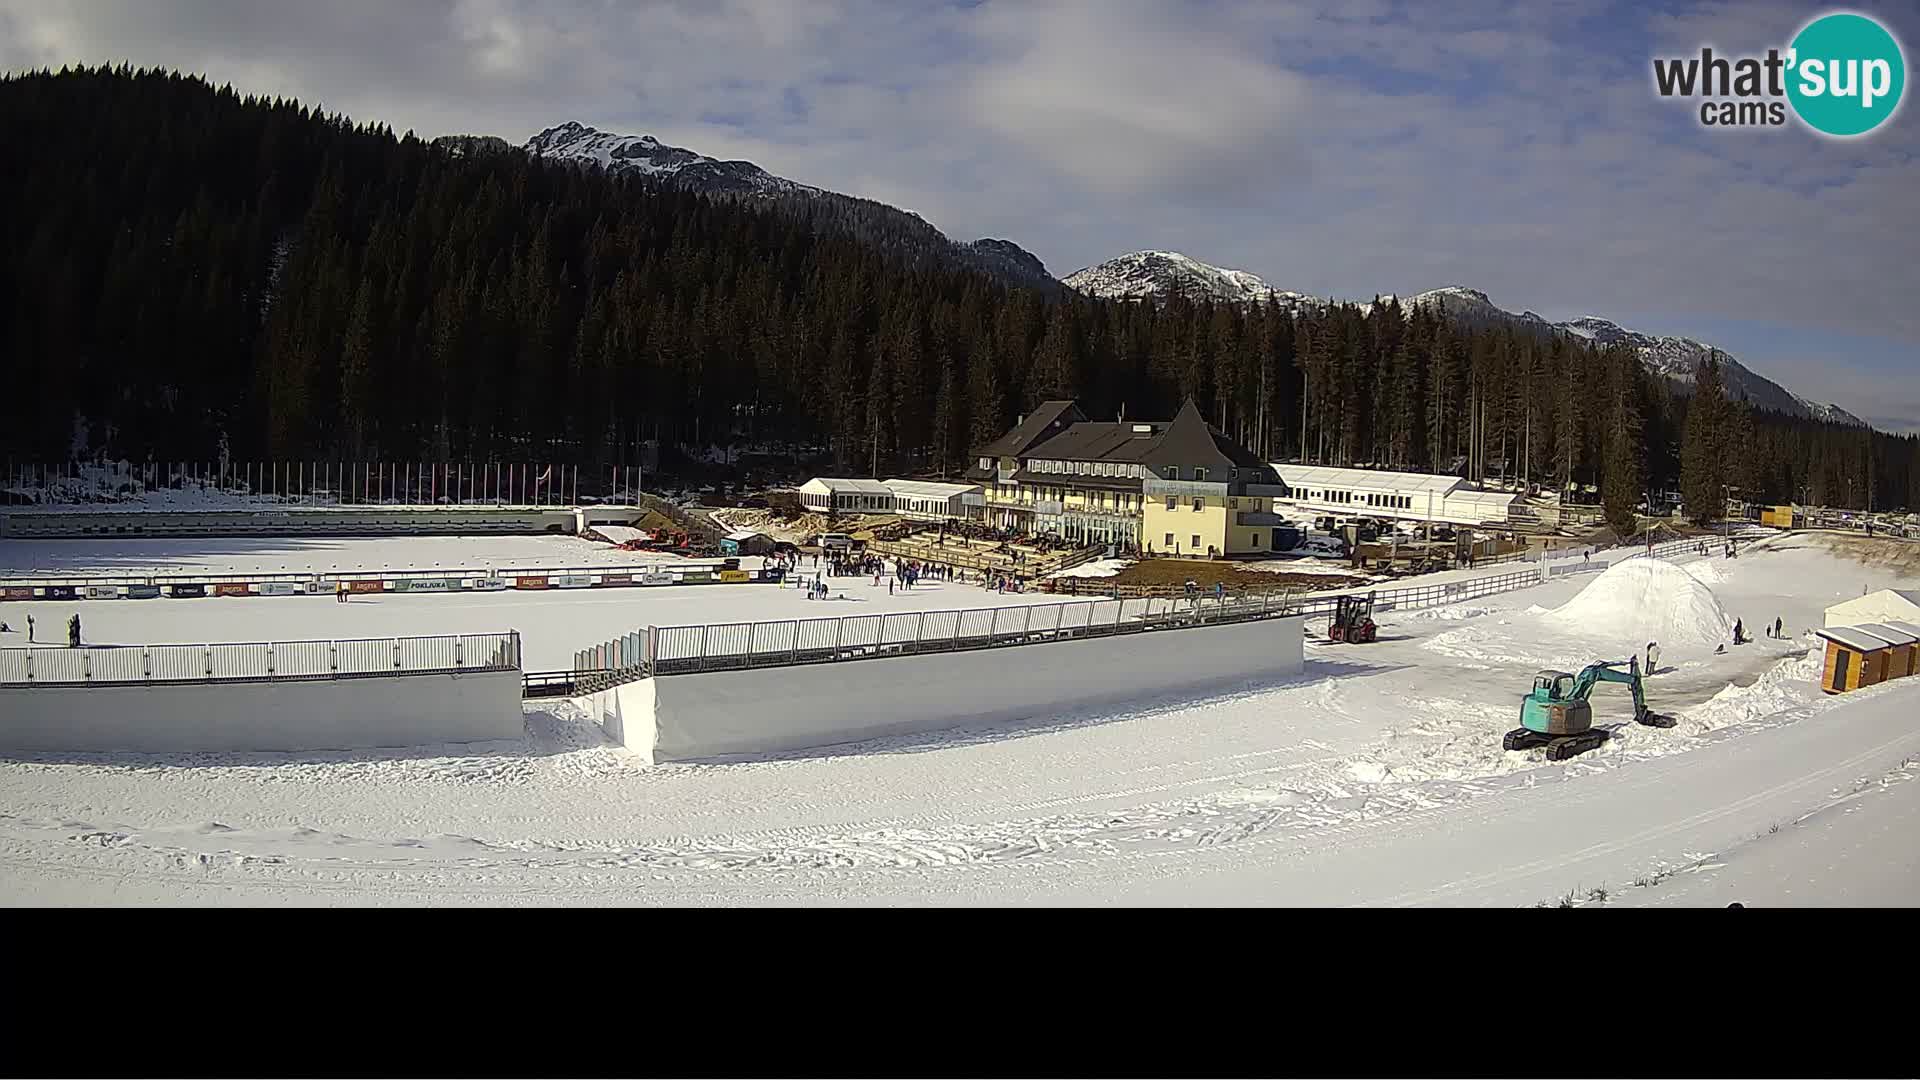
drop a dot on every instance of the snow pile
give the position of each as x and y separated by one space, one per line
1791 687
620 534
1302 566
1096 568
1642 600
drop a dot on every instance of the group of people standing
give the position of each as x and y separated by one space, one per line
73 630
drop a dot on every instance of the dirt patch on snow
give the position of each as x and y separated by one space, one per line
1236 578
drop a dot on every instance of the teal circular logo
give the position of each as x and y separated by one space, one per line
1846 74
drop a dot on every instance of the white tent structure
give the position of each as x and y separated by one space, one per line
1394 496
1887 605
832 495
923 499
931 501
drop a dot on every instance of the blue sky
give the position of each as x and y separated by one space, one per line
1337 148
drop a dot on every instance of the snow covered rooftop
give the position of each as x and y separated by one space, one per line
832 485
1482 498
1903 627
1853 637
927 489
1321 476
1889 633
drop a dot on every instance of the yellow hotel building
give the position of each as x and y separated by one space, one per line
1175 487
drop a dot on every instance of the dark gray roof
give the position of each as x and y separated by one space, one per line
1190 440
1187 441
1048 419
1101 441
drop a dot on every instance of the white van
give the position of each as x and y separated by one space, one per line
836 542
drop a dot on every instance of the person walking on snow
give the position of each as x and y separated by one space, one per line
29 629
1739 632
73 631
1776 626
1653 656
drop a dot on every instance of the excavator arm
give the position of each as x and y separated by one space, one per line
1592 674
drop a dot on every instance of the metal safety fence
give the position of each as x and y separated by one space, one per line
260 661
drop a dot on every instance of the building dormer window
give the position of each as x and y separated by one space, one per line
1199 473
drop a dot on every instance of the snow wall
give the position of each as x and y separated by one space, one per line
765 710
297 714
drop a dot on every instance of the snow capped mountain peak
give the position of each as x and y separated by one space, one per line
906 233
1151 275
647 156
1454 292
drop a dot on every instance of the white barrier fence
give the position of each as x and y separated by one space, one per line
260 661
184 585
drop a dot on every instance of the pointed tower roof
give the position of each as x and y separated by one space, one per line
1191 441
1046 421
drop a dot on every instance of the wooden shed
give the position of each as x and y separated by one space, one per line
746 542
1904 656
1855 658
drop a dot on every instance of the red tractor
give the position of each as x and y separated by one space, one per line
1353 620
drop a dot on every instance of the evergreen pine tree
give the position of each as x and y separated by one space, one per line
1703 452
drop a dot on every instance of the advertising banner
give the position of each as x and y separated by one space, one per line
366 586
734 577
490 584
616 579
530 582
142 592
573 581
186 590
277 588
695 577
59 592
425 585
103 592
232 588
656 577
17 592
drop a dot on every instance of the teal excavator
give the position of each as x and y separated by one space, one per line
1556 714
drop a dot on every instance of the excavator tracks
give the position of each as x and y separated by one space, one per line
1559 747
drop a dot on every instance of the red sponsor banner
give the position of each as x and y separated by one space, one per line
232 588
18 592
616 579
530 582
366 586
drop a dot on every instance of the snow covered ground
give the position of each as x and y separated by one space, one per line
553 623
239 554
1377 779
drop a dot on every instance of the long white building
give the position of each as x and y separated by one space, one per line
922 499
1394 496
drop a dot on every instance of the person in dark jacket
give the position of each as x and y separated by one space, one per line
73 631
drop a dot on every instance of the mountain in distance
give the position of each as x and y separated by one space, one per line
1676 357
1148 275
902 232
648 156
473 145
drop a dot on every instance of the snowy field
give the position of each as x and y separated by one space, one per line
1377 779
243 555
553 624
